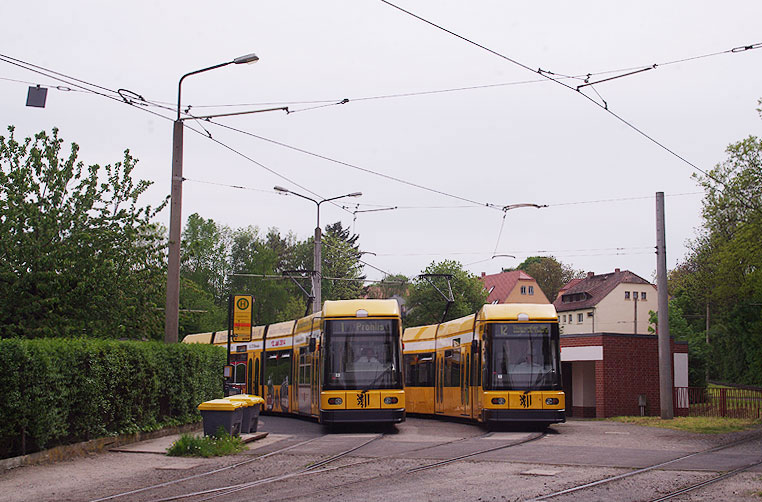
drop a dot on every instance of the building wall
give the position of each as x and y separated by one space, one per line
537 295
617 314
614 313
628 367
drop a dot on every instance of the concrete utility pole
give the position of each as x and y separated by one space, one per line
665 356
172 305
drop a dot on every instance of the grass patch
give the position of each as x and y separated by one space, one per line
703 425
206 446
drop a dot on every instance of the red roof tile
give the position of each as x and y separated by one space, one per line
500 285
593 289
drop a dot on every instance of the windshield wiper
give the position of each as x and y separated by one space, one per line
375 380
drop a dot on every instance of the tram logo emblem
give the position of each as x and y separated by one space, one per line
363 400
525 400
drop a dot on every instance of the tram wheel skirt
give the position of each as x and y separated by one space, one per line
362 416
542 416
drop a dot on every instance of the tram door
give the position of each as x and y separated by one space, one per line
315 370
465 366
439 383
304 377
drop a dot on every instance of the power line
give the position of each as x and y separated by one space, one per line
604 106
356 167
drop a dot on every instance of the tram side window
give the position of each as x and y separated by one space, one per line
277 367
452 368
419 370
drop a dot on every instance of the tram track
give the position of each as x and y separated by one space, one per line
316 468
660 465
396 474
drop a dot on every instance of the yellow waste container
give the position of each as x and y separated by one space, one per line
221 413
250 418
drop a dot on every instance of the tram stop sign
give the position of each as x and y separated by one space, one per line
242 317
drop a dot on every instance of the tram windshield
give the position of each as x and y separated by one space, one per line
362 354
523 356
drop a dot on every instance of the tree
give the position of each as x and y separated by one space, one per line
78 254
722 276
341 261
275 300
551 275
205 257
426 305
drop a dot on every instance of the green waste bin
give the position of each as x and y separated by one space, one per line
221 413
250 412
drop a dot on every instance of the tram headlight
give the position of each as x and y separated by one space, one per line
335 400
551 400
498 400
390 400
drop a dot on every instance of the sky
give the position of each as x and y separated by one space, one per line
495 133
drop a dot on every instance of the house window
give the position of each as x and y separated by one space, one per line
634 295
643 295
626 295
523 290
564 318
531 290
580 317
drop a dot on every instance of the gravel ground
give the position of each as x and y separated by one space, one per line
572 454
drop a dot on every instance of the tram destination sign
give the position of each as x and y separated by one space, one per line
242 317
521 329
363 327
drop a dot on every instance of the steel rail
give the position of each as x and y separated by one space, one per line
707 482
226 490
637 471
200 475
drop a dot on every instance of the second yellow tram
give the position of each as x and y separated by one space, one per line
501 364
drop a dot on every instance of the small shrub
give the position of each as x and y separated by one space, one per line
206 446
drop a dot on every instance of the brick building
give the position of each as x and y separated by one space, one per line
610 362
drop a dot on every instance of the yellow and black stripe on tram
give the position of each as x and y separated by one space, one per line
475 367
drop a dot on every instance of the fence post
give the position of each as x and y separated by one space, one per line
723 402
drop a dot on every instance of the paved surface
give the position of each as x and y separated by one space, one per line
569 455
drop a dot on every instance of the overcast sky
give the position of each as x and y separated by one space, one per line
512 137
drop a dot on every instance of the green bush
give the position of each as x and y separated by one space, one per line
61 391
220 444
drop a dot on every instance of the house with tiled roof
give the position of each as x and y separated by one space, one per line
609 360
617 302
515 286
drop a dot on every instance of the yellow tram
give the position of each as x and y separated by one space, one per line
501 364
342 364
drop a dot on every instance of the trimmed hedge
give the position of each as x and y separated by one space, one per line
61 391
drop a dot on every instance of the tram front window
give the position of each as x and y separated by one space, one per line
361 354
523 357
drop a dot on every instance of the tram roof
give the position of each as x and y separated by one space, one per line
420 333
199 338
371 308
511 312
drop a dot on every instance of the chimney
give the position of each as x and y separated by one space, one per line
590 274
483 275
616 270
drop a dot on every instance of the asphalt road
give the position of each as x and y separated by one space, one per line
391 463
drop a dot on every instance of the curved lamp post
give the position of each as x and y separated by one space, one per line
317 252
172 307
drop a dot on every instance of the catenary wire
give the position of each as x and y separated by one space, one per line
708 174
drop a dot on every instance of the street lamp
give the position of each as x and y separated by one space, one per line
317 258
172 307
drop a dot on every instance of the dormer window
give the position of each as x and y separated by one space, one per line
531 290
523 290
